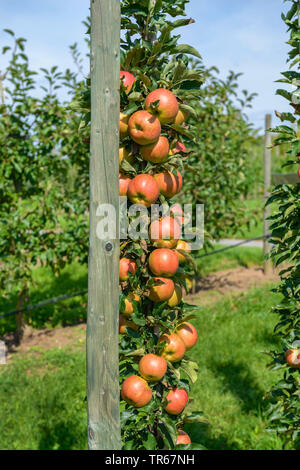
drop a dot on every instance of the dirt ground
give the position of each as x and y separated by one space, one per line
209 289
229 282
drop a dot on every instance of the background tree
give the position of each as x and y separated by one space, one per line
39 150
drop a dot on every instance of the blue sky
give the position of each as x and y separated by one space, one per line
244 36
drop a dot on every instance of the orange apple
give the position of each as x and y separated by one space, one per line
188 333
293 358
180 147
162 289
177 399
127 79
143 189
176 297
123 184
181 117
152 367
157 152
128 301
124 119
165 233
182 438
184 246
168 107
163 262
124 323
136 391
169 184
174 349
144 128
126 266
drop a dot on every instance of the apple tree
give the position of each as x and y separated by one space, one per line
284 405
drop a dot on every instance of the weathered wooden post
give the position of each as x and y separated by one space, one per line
267 186
103 278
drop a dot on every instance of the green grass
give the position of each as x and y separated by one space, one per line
42 393
233 377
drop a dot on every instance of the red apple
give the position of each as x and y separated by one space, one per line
124 323
169 184
163 262
298 173
183 438
128 303
168 105
143 189
124 119
176 297
177 399
188 333
157 152
181 117
174 349
126 266
127 79
293 358
123 184
162 289
184 246
152 367
136 391
180 147
144 128
165 233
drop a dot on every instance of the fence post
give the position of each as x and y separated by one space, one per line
103 277
267 186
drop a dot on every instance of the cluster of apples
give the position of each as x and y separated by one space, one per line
144 127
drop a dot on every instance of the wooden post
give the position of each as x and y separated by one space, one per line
103 278
267 185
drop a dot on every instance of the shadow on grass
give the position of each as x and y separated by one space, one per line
238 380
62 436
202 433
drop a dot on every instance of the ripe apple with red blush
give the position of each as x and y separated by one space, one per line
126 266
174 348
152 367
127 79
136 391
163 262
157 152
144 128
143 189
177 399
167 108
165 232
123 184
162 290
169 184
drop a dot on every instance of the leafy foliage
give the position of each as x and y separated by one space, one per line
284 406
